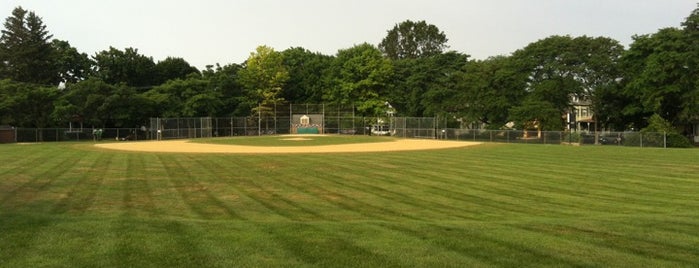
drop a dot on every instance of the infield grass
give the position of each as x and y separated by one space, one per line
295 140
71 205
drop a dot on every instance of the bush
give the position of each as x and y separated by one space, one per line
654 139
675 140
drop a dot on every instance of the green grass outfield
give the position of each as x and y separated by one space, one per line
71 205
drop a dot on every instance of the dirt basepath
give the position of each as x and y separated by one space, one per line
183 146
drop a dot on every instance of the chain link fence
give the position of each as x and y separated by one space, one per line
188 128
629 139
73 134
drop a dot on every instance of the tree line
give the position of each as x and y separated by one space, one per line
411 68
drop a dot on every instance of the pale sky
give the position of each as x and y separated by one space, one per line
226 31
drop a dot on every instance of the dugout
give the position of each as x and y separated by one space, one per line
7 134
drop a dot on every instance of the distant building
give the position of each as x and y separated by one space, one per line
581 116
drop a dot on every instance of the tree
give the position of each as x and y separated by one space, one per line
26 55
173 68
308 75
662 73
360 77
100 104
72 65
488 89
537 114
413 40
114 66
264 76
226 81
432 85
26 104
414 78
598 73
81 101
195 96
561 67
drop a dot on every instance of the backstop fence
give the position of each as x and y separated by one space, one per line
311 123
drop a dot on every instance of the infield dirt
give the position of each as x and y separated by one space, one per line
184 146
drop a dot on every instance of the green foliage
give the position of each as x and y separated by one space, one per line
426 86
191 97
535 114
114 66
99 104
72 65
264 77
411 40
656 124
24 104
26 55
225 81
360 76
173 68
663 74
561 67
488 89
309 75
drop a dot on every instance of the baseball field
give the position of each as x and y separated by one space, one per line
310 201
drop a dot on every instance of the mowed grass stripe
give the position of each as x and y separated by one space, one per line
644 252
32 188
193 192
483 188
275 199
375 187
80 189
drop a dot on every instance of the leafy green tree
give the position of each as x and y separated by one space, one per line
420 86
440 78
308 75
537 114
114 66
264 76
662 75
225 80
360 77
99 104
598 73
173 68
410 39
72 65
191 97
488 89
550 65
26 104
81 101
657 124
26 55
561 67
